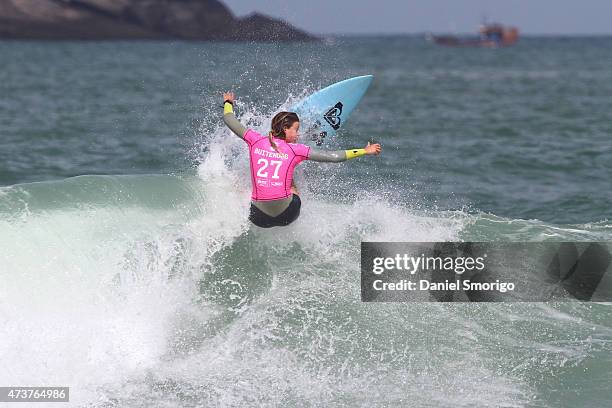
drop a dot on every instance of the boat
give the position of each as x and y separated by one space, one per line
490 36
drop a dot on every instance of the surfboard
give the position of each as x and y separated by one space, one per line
325 111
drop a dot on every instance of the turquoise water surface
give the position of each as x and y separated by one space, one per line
131 273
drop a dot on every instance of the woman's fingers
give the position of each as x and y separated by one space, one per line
228 96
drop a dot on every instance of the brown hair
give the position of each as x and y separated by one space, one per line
280 122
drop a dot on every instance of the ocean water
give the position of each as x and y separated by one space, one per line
130 272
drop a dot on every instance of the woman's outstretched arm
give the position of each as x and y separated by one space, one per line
228 115
335 156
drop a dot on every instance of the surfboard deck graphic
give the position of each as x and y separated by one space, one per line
325 111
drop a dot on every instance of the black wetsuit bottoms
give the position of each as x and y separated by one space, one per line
263 220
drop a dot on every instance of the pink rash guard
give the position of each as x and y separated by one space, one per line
272 171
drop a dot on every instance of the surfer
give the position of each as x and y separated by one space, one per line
275 200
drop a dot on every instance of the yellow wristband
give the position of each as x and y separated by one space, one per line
227 108
351 154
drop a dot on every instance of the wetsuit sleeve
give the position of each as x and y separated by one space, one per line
334 156
230 120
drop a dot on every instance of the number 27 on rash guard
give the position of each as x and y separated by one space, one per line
263 164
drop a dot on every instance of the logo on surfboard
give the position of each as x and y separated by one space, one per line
332 116
316 136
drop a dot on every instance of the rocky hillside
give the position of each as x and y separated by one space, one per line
138 19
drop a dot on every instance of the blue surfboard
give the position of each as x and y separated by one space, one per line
325 111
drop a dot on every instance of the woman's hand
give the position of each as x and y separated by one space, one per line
228 96
373 148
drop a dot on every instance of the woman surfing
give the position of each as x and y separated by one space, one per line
275 200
